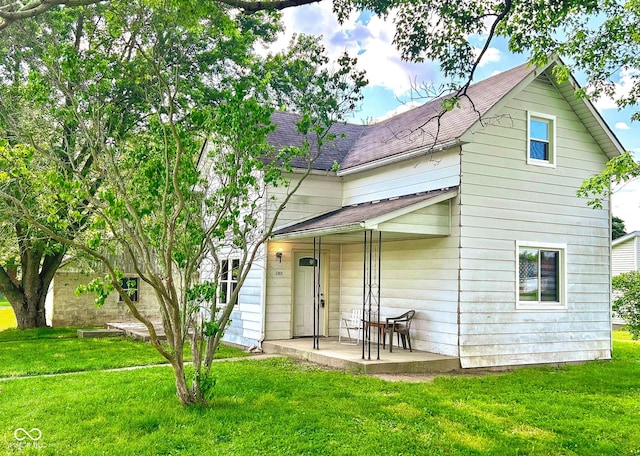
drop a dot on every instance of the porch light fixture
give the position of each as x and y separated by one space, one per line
279 255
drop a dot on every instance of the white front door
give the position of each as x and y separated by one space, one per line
303 309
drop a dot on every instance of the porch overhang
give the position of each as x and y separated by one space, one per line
426 214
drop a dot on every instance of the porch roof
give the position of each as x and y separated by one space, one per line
405 216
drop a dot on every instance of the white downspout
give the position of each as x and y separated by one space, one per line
635 253
265 272
340 291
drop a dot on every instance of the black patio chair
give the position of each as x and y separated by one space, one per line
401 326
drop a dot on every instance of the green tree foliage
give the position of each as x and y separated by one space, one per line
617 228
618 171
178 107
46 82
597 38
627 301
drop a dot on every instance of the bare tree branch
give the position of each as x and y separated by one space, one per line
428 138
14 11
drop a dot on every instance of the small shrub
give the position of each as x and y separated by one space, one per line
627 301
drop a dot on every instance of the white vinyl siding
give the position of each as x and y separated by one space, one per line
624 258
504 200
420 275
416 274
431 172
245 327
246 319
317 195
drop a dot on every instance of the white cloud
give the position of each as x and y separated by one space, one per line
622 126
370 43
493 55
628 77
626 205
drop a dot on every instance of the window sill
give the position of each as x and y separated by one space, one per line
543 163
538 306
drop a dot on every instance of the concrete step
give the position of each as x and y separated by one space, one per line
99 333
136 330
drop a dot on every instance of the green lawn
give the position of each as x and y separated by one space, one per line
57 350
278 407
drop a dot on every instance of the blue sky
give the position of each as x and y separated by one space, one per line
391 79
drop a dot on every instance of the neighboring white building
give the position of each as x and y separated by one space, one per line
470 218
624 258
625 254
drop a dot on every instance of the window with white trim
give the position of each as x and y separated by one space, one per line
541 130
541 276
228 279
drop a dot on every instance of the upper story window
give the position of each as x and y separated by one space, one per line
228 279
541 139
541 276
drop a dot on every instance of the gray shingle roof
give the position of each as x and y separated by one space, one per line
422 128
286 134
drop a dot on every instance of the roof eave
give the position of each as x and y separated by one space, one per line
400 157
625 238
319 232
601 122
368 223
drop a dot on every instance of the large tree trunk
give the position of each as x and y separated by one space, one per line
31 313
28 305
27 294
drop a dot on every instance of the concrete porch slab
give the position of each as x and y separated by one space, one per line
349 357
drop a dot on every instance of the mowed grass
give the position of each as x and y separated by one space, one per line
279 407
58 350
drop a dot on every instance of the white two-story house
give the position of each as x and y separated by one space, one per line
470 218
